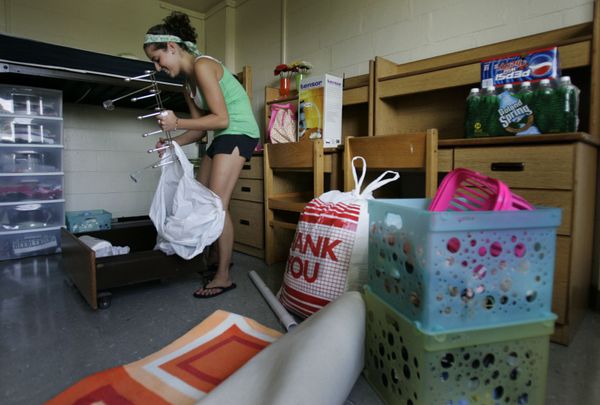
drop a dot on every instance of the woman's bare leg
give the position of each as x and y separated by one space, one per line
223 174
203 176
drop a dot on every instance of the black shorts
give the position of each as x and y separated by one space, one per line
225 144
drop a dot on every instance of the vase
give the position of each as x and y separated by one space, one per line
299 76
284 87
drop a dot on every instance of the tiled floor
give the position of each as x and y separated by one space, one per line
50 338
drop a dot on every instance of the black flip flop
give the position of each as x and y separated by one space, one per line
223 291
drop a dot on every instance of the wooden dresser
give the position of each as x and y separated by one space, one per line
247 209
550 170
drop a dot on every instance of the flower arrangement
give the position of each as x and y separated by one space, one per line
297 68
301 66
283 70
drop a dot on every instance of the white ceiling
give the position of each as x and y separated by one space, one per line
201 6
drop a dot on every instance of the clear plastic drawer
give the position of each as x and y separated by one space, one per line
19 244
31 215
30 188
26 130
29 159
30 101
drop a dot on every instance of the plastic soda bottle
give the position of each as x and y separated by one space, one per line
473 122
489 112
525 94
544 107
515 117
568 96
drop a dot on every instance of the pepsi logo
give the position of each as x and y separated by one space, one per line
541 65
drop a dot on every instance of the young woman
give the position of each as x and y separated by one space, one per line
218 103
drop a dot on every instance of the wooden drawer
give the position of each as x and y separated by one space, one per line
560 290
249 190
253 169
92 275
539 167
445 163
248 222
552 198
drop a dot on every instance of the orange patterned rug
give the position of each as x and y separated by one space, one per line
182 372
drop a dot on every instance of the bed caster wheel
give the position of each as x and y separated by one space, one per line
104 300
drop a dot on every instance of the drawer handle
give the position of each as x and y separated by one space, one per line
246 189
247 167
244 222
508 167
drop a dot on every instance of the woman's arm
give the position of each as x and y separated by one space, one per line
207 74
189 136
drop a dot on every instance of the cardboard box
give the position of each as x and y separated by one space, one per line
531 66
320 109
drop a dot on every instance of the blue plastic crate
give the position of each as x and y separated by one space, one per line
497 365
88 221
453 270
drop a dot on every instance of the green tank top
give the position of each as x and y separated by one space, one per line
239 109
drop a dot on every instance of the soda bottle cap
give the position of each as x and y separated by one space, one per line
508 86
526 84
490 88
565 79
545 81
474 90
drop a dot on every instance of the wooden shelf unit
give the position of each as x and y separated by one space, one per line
559 169
357 120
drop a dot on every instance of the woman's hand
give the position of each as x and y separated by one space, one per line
167 120
159 144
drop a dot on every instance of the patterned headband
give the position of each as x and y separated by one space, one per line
160 38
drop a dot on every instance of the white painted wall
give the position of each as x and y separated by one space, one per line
258 44
101 149
113 27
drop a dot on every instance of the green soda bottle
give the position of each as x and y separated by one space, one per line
544 107
490 116
525 93
473 124
568 96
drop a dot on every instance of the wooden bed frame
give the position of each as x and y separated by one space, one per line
93 276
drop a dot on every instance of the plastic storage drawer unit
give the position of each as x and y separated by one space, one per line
24 188
455 270
27 159
17 244
28 130
31 215
501 365
30 101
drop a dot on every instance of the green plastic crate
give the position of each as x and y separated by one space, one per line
497 365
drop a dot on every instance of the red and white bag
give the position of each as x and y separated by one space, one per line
329 254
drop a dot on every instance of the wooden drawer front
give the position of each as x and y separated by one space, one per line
548 166
445 160
552 198
249 190
248 222
253 169
560 290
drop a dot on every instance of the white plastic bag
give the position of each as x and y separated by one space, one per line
329 253
187 215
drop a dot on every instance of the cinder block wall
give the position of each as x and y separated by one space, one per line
101 149
340 36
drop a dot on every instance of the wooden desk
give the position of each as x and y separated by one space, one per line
553 170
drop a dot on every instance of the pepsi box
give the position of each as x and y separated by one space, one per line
531 66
